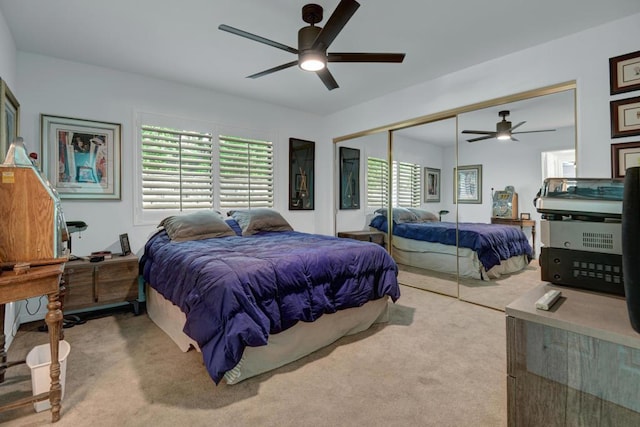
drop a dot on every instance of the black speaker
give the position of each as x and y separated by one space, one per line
631 244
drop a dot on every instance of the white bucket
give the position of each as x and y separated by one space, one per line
39 361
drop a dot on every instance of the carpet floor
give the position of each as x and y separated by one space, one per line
438 362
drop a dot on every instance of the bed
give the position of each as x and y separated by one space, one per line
258 296
483 251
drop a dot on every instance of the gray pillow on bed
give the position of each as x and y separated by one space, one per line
400 215
196 226
424 216
254 220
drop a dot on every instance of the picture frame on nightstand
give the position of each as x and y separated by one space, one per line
124 244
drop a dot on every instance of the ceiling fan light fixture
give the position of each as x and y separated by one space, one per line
503 136
312 61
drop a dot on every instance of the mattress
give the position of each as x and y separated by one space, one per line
287 346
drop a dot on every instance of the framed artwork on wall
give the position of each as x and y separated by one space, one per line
81 157
624 155
624 73
625 117
9 118
468 184
301 174
431 185
349 178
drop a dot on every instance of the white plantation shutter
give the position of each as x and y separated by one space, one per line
246 173
377 182
176 169
407 189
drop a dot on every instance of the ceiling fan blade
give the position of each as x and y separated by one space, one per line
365 57
273 70
480 132
513 139
518 125
327 79
481 138
335 24
534 131
258 39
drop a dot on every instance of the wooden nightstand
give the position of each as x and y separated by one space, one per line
365 235
96 285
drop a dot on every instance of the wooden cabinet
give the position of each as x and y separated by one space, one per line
577 364
91 285
366 235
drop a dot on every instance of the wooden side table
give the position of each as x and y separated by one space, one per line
366 235
519 223
35 282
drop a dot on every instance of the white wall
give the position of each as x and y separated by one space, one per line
582 57
57 87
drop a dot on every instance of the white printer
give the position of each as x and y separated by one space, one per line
581 233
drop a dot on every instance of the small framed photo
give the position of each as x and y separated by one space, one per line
625 117
468 184
431 185
624 73
525 215
124 244
624 155
81 157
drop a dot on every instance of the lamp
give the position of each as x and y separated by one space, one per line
442 212
312 61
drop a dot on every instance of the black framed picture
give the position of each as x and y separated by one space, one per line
349 178
124 244
301 174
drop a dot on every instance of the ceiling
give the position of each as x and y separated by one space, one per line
179 40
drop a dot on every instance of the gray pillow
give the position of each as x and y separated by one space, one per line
196 226
400 215
254 220
424 216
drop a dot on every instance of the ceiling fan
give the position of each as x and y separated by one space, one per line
503 131
313 43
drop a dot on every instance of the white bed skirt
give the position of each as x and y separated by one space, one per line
296 342
452 260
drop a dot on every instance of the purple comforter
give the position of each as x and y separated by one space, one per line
235 291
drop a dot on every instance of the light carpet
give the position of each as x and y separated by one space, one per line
438 362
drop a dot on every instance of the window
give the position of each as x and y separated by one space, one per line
407 189
176 169
246 173
377 182
184 170
407 183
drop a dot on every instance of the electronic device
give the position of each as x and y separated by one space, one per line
547 300
505 203
581 233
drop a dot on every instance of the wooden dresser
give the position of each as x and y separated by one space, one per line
577 364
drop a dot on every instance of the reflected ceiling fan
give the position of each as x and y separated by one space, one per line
313 43
503 131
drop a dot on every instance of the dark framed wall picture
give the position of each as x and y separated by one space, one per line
349 178
624 155
301 174
81 157
625 117
9 118
624 72
431 185
468 184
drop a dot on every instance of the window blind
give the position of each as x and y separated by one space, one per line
246 173
407 189
176 169
377 182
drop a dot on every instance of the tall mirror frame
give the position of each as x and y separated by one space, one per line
393 132
9 118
